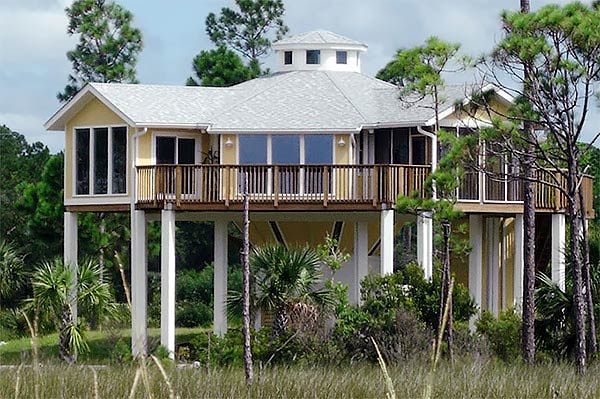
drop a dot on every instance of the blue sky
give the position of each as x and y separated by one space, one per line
33 42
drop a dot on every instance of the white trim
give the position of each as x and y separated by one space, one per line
91 165
242 131
98 200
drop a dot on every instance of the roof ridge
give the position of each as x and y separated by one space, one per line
95 84
345 96
227 109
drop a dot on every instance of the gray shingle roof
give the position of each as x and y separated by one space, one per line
285 101
317 37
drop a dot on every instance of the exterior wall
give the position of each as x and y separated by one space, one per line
95 113
328 60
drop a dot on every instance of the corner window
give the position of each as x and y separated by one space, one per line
287 58
341 57
101 160
313 57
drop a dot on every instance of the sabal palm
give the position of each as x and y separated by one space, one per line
282 277
52 285
12 271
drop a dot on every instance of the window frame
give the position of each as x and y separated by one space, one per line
92 160
337 57
318 52
302 147
184 135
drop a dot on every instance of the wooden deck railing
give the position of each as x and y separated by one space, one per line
278 184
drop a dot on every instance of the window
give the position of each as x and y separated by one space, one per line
318 149
171 150
313 57
101 160
285 149
341 57
253 149
287 58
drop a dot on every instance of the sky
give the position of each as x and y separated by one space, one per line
34 42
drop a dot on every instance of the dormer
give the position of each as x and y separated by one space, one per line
319 50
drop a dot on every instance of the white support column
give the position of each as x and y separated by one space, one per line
425 243
387 242
167 280
492 262
70 255
220 277
558 249
361 258
475 261
518 264
139 283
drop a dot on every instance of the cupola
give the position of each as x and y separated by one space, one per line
319 50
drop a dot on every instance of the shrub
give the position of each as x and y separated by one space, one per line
193 314
503 334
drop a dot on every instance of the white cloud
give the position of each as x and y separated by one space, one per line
31 127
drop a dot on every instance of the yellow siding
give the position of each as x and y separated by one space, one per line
301 233
229 153
261 233
144 155
459 265
342 153
510 262
94 113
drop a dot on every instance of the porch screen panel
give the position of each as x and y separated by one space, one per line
253 151
318 150
382 146
285 149
400 146
82 161
186 151
101 160
419 150
165 150
119 160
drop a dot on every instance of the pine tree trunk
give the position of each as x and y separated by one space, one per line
576 267
528 315
64 349
592 345
246 287
445 290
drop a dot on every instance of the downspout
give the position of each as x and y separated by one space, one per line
136 136
434 153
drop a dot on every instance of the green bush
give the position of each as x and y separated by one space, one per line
503 334
193 314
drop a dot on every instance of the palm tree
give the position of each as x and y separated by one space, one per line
52 283
284 277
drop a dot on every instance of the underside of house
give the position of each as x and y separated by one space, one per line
319 147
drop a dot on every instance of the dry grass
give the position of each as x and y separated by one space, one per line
467 378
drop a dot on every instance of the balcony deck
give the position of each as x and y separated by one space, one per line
327 187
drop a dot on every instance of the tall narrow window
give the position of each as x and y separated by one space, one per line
318 149
313 57
82 161
286 150
186 151
287 58
382 146
400 146
101 160
119 160
341 57
165 150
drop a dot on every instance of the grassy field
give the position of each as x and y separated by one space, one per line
465 379
102 345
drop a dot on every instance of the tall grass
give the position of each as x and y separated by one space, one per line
465 378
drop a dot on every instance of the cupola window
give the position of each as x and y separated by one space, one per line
313 57
341 57
287 58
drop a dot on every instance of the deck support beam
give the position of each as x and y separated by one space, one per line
220 277
139 283
361 258
70 255
558 249
475 262
387 242
167 280
425 243
518 263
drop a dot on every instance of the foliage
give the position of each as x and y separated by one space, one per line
12 272
43 202
330 253
219 67
52 284
107 48
503 334
283 277
22 163
249 29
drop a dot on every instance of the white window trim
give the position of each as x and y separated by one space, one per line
302 148
109 192
184 135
